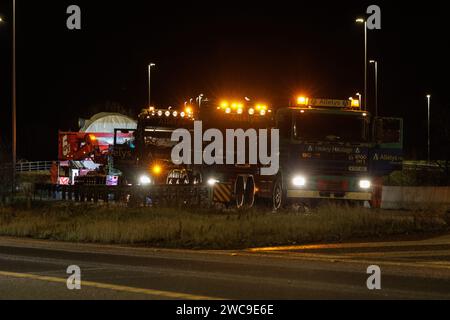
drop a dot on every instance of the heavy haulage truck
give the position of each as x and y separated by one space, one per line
328 150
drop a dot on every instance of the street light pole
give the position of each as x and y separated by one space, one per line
200 100
429 139
14 103
364 21
150 66
375 62
365 65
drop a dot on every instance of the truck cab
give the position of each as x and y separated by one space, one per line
331 149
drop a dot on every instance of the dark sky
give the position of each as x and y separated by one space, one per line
220 48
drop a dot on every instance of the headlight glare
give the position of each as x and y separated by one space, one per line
145 180
365 184
212 182
299 181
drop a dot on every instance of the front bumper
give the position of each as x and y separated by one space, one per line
309 194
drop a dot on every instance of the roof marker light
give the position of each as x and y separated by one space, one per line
302 101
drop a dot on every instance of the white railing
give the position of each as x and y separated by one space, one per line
34 166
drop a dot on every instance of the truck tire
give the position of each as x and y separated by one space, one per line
239 192
278 197
249 196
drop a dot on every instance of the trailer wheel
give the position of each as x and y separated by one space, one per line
277 196
250 193
239 191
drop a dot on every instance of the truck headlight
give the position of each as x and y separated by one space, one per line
212 182
299 181
365 184
145 180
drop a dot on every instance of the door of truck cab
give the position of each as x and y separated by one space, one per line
387 154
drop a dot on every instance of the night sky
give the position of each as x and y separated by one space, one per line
269 51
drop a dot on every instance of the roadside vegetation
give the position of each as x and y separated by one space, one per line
421 177
211 229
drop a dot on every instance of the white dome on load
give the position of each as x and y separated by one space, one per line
108 122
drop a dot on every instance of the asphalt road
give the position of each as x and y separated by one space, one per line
32 269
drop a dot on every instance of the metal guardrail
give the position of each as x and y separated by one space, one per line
165 195
46 166
424 165
34 166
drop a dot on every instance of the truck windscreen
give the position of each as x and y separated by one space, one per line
330 127
159 137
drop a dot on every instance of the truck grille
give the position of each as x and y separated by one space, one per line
327 185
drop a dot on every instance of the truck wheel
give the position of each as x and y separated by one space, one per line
277 196
239 191
250 193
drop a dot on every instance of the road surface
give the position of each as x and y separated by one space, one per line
31 269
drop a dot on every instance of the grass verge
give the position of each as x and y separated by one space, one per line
211 229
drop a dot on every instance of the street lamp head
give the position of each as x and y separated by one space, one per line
428 96
152 65
360 20
372 61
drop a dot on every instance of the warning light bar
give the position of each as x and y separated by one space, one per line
166 113
302 101
240 109
354 103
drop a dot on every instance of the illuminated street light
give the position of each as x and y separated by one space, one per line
199 100
429 139
150 66
361 20
375 62
359 98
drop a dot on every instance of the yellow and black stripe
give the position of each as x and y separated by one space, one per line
222 193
